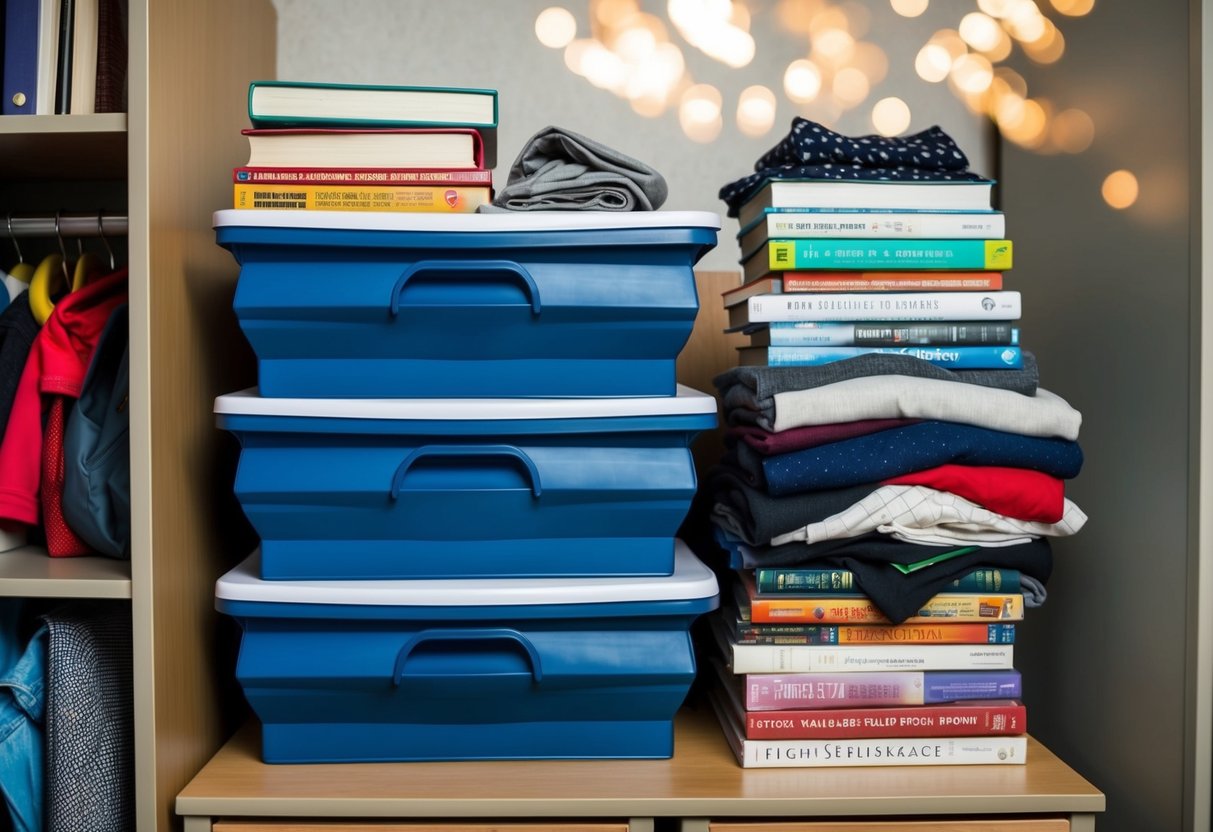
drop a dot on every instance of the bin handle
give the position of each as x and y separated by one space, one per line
504 267
472 634
463 451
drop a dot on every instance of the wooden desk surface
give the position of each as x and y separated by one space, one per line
702 779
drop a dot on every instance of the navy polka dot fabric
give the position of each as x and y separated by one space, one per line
811 151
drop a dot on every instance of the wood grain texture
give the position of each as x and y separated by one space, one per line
934 825
553 826
701 780
190 68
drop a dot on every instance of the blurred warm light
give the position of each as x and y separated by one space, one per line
1072 131
830 17
575 52
833 44
859 18
602 67
756 110
705 25
700 104
802 80
1048 48
634 44
739 16
950 40
555 27
1029 129
872 60
972 73
933 63
890 116
1014 81
1025 22
649 106
611 13
702 132
909 8
996 8
851 86
979 31
1073 8
1009 111
1001 50
1119 189
796 15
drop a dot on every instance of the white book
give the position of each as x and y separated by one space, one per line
917 751
885 306
84 58
918 195
885 225
827 658
48 56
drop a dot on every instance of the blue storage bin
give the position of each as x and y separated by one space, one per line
379 305
467 670
432 488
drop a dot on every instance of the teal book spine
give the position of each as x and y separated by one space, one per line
795 581
952 358
808 253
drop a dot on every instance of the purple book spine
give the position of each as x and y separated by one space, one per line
950 686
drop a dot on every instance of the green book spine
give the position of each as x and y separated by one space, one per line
774 581
806 254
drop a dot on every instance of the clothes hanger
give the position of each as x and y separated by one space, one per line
105 242
22 271
88 265
50 278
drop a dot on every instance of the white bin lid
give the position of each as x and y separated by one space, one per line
423 221
686 402
691 580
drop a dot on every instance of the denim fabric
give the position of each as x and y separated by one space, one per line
22 705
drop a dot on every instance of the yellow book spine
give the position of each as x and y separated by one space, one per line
945 607
441 199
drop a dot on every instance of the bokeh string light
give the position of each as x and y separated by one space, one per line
639 56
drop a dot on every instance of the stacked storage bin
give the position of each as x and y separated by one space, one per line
467 460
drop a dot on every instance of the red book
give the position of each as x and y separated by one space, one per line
369 147
361 176
957 719
903 281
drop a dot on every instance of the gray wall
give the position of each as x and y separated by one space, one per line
491 43
1106 307
1106 310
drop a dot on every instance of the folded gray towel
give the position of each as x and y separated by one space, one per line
559 170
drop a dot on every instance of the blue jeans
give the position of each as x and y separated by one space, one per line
22 705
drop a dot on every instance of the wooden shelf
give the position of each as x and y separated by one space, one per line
30 572
702 780
63 147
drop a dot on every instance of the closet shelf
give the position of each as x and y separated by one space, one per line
31 573
63 147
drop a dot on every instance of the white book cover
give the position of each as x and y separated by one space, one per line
831 658
886 306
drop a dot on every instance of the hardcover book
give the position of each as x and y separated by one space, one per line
400 198
843 254
747 632
361 176
961 195
364 148
821 222
829 658
785 691
311 104
883 334
891 306
21 58
951 357
976 717
923 751
786 580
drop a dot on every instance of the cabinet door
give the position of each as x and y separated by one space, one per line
1041 824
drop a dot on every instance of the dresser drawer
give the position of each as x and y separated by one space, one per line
436 826
1041 824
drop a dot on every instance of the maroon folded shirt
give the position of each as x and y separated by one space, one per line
796 439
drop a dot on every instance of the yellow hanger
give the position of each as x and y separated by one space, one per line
48 279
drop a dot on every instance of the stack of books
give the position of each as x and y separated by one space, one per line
809 673
885 518
345 147
838 269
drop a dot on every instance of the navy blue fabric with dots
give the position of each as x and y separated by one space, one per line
812 151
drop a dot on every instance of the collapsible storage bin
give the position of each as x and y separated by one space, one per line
410 488
467 669
368 305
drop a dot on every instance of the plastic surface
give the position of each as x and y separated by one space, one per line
577 494
350 305
521 679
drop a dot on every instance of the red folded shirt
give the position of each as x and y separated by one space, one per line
1013 492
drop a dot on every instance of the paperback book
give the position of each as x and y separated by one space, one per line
822 222
787 580
744 631
364 148
960 195
398 198
865 281
785 691
922 751
951 357
361 176
963 718
886 307
882 333
829 658
843 254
